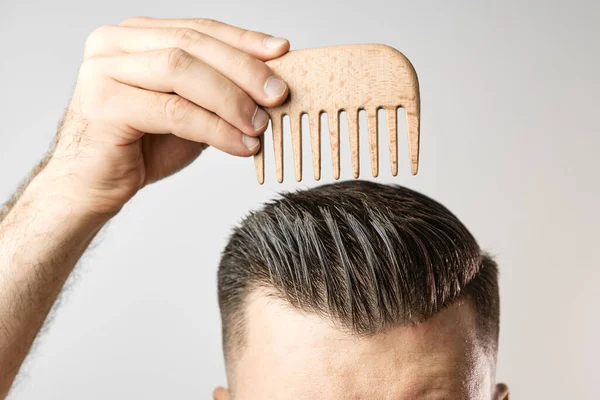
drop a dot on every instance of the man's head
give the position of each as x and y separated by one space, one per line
358 290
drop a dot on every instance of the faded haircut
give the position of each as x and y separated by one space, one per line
367 256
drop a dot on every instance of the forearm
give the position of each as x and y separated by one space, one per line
41 239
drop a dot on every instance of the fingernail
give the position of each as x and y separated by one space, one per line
274 42
260 118
274 87
250 142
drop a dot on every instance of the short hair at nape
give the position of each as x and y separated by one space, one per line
368 256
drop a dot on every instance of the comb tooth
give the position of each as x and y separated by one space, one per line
277 128
354 148
315 138
392 123
296 129
372 126
413 132
334 128
259 161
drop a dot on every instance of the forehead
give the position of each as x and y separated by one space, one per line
294 355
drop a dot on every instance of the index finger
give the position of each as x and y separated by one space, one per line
257 44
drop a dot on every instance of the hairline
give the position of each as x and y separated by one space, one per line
235 341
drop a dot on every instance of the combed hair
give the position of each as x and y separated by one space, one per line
367 256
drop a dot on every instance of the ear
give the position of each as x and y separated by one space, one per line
220 393
501 392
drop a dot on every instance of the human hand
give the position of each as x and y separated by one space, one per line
151 95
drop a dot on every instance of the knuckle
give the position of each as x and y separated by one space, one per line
245 36
204 23
251 67
229 92
235 97
95 39
186 37
220 127
245 106
178 60
244 62
176 109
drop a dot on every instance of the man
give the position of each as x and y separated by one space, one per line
347 291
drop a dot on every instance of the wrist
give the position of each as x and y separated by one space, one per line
55 190
53 222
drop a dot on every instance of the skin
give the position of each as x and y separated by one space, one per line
290 354
151 95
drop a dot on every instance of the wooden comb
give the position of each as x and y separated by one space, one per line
344 78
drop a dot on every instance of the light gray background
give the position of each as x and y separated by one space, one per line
509 143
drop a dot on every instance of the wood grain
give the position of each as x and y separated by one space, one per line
344 78
315 141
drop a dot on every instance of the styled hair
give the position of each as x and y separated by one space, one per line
367 256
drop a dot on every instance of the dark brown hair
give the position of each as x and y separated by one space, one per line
368 256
